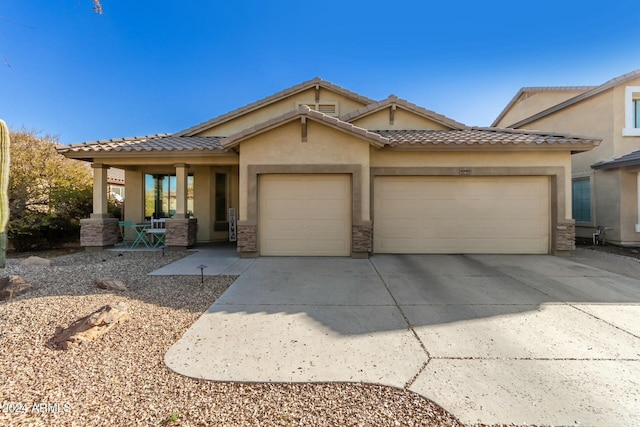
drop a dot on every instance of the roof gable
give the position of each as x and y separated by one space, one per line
316 84
393 103
595 90
304 113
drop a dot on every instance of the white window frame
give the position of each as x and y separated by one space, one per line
630 93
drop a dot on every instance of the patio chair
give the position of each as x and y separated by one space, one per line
598 236
157 232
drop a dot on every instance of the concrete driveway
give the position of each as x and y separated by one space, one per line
491 338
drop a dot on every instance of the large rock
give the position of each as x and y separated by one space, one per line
12 286
36 260
110 284
91 327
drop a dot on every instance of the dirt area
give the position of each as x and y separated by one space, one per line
628 251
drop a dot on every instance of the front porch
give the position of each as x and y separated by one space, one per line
194 199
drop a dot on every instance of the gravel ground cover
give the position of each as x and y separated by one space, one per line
121 379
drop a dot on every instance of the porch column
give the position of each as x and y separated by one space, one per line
638 201
181 190
99 191
181 230
99 231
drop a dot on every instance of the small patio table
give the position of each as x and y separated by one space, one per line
141 235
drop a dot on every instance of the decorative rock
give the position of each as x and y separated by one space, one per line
91 327
110 284
36 260
12 286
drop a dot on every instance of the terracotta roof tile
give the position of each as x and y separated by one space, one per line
160 142
631 159
394 100
485 136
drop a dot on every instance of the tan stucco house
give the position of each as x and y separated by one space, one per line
319 170
605 180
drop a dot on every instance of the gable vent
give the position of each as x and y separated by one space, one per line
328 108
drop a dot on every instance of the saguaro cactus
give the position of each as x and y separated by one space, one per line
4 190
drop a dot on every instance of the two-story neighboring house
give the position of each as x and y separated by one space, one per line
606 180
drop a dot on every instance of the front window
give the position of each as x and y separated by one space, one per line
631 111
581 191
160 195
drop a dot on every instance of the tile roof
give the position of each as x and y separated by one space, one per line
538 89
581 97
115 176
273 98
631 159
394 100
158 142
485 136
304 111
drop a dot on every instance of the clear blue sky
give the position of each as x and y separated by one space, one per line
146 67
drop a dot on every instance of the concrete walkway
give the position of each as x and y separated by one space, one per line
493 339
217 259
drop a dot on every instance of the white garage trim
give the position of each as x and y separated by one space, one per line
461 214
304 214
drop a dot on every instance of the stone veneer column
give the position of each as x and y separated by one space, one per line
99 230
361 239
181 232
247 239
565 237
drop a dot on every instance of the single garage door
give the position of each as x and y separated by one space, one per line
305 215
421 214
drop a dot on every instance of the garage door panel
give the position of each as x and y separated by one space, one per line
461 214
305 215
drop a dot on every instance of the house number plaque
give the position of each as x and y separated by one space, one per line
464 171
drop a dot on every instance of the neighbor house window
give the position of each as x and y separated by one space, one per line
160 195
581 200
631 111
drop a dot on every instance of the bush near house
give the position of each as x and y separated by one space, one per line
48 194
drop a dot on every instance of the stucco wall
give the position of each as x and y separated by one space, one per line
592 117
402 119
283 146
276 109
533 103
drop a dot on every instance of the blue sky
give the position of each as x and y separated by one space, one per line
146 67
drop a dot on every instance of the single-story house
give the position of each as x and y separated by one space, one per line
606 180
318 170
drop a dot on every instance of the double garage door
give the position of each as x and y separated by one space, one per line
310 215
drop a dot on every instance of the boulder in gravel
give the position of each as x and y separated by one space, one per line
92 326
12 286
36 260
110 284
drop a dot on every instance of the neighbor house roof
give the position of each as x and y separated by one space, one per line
115 176
304 111
394 100
160 142
631 159
487 136
581 97
274 98
538 89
